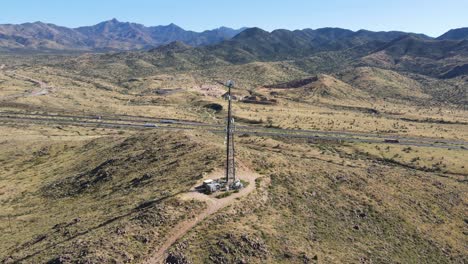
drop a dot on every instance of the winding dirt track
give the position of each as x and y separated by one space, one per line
42 89
213 206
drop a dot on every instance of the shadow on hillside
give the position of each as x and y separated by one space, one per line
140 208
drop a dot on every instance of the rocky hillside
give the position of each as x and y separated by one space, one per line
321 204
437 58
103 200
285 44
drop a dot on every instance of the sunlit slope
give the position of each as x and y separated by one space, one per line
107 199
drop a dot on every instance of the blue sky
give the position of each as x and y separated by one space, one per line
432 17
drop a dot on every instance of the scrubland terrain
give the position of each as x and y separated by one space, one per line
76 194
100 195
325 204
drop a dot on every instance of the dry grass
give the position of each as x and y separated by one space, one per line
99 196
425 159
330 104
326 206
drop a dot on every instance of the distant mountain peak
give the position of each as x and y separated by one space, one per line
455 34
252 32
175 46
112 21
174 26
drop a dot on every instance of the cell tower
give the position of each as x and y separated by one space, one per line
230 128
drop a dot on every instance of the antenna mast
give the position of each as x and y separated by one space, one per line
230 157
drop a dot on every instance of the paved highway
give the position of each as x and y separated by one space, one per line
137 122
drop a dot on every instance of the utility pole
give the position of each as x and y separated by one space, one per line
230 156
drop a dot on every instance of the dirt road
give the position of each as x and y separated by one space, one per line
43 88
214 205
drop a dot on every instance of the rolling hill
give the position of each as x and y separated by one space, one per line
430 57
257 44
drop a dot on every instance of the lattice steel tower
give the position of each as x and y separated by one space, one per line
230 128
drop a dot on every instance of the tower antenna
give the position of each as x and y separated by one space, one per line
230 155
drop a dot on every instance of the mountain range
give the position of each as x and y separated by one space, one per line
323 50
384 64
105 36
114 35
146 51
